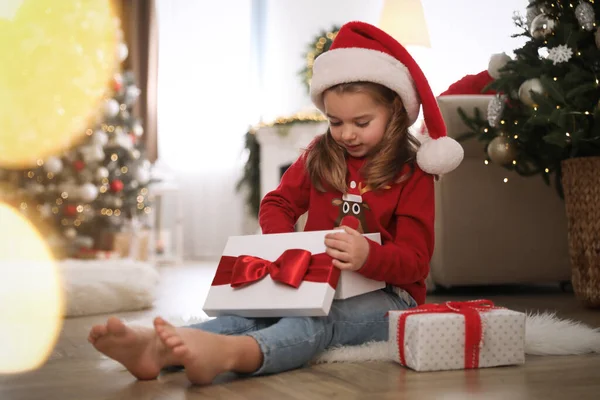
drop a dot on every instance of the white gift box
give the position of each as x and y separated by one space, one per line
436 341
268 298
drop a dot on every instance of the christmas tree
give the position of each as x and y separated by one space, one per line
99 186
546 108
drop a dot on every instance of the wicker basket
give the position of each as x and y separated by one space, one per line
581 183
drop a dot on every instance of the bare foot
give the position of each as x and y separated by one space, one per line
204 355
138 349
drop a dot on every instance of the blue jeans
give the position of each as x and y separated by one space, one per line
292 342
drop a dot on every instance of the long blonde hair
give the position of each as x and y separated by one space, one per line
326 159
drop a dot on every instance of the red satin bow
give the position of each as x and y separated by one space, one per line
291 268
473 329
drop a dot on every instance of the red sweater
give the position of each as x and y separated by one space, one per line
403 214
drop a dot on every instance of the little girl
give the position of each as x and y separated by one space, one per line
365 174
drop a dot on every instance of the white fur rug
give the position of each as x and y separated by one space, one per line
107 286
546 334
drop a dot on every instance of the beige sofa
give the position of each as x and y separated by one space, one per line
491 232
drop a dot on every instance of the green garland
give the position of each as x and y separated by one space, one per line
251 175
318 46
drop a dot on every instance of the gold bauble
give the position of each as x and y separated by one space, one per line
530 85
501 151
58 60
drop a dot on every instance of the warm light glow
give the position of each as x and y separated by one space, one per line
505 180
31 299
405 21
58 61
486 162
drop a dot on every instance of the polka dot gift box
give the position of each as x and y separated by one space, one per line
457 335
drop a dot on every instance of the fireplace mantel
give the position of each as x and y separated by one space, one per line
280 146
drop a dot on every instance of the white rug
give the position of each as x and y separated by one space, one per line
545 335
107 286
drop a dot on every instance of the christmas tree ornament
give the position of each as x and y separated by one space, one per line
122 51
138 129
88 192
501 151
135 154
542 26
70 233
92 154
132 93
530 85
101 173
118 82
495 109
560 54
124 114
53 165
100 137
116 186
78 165
142 175
584 12
111 108
70 210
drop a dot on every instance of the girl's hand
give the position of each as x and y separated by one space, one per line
348 249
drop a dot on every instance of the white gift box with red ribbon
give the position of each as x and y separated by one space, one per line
457 335
281 275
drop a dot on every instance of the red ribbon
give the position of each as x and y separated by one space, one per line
291 268
473 328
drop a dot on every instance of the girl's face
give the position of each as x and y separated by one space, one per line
356 121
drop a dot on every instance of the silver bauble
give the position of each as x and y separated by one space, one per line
70 233
100 137
88 192
501 151
541 26
53 165
530 85
101 173
111 108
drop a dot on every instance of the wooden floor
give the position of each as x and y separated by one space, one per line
77 371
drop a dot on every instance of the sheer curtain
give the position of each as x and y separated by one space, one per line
204 98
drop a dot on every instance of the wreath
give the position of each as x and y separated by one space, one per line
318 46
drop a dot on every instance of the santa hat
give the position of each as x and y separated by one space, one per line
362 52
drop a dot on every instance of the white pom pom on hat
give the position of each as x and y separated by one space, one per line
497 61
363 52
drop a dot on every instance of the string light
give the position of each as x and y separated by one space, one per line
516 122
516 136
486 130
486 162
30 174
23 206
64 195
502 122
587 113
80 208
558 107
77 222
514 162
555 78
547 170
117 212
40 163
59 202
505 180
114 157
124 170
535 108
568 134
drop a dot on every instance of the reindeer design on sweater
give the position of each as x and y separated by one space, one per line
352 208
